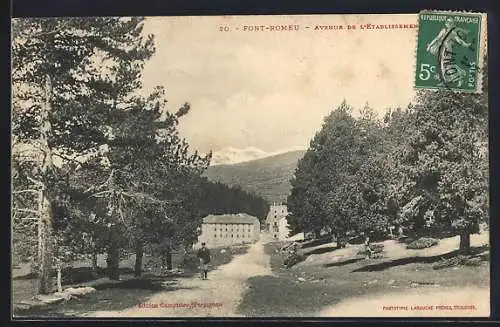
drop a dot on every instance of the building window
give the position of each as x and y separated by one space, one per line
237 236
215 229
215 235
231 235
226 229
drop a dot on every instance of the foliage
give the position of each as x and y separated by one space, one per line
459 260
219 198
424 168
340 182
422 243
126 178
375 249
291 258
445 164
190 262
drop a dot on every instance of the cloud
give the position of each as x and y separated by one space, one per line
271 90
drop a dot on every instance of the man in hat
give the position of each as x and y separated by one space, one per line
204 256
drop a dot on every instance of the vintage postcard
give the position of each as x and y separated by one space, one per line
250 166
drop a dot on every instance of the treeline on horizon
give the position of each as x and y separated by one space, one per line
423 168
219 198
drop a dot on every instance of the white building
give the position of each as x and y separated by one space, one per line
276 223
223 230
283 229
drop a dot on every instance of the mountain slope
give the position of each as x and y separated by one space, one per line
268 177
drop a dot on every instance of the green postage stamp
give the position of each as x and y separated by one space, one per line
450 50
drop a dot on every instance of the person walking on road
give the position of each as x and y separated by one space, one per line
204 256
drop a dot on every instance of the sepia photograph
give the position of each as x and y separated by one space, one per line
250 166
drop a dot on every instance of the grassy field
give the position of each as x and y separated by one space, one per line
126 293
303 290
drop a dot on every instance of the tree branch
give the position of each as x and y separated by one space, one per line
108 180
66 158
26 210
98 194
143 196
37 35
25 191
34 181
120 211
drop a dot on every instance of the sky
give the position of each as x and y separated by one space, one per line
254 93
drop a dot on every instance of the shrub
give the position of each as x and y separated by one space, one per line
190 261
292 258
460 260
376 250
422 243
72 275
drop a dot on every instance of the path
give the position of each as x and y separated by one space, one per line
221 293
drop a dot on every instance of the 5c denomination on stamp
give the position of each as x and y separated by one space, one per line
449 51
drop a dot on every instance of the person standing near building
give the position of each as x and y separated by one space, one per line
204 256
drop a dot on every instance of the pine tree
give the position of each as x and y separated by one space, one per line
61 71
446 163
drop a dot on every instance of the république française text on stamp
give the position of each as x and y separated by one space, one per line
450 51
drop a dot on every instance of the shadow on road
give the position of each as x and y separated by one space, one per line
322 250
342 263
320 241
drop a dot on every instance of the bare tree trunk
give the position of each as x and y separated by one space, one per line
94 261
169 258
465 242
45 211
94 256
113 261
169 254
317 233
139 252
59 278
45 247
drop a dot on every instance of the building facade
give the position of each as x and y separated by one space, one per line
276 223
229 229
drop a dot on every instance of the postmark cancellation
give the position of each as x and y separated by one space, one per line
450 51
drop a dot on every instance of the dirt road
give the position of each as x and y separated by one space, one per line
221 294
218 296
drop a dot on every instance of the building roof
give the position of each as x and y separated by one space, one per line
240 218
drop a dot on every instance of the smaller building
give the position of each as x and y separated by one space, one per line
229 229
276 223
283 229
